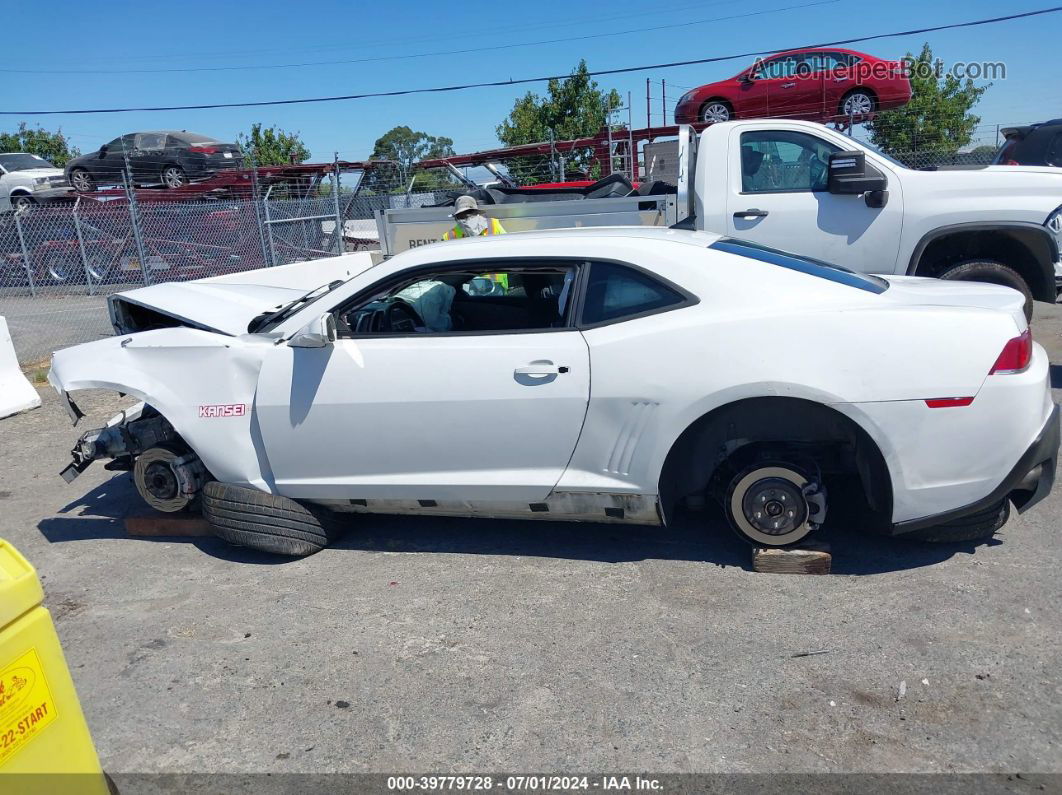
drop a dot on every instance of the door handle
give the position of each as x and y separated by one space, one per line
788 85
751 213
540 369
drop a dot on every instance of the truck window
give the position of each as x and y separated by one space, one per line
774 161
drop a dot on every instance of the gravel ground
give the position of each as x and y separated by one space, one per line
462 645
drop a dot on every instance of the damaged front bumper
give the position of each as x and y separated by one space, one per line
123 438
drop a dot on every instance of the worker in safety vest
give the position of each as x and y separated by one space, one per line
471 222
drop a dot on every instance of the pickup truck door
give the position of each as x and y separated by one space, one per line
426 415
777 196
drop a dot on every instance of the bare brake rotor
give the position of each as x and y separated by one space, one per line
775 505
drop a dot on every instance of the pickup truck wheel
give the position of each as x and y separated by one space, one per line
267 522
975 527
774 505
82 181
986 270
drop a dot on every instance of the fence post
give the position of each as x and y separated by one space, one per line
335 196
25 253
81 247
266 261
134 217
269 227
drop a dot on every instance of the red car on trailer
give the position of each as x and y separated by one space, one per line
820 84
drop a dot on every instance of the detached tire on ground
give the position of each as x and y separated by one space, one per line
267 522
975 527
986 270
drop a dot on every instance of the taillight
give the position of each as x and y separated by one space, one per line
1016 355
203 150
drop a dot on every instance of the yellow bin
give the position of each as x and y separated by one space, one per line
42 728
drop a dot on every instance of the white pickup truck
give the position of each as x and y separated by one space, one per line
805 188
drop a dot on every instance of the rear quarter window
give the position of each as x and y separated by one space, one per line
812 267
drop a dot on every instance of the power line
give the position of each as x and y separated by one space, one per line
524 81
596 20
467 51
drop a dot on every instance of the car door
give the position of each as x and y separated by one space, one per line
777 77
146 156
841 75
777 196
476 405
108 167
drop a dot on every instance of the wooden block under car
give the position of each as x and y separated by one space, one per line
811 557
161 524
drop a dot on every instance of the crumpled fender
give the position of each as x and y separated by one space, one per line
203 383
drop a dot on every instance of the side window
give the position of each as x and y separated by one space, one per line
616 291
779 67
1054 151
469 300
779 160
150 142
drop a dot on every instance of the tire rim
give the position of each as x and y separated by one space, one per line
858 105
57 269
21 204
81 181
97 268
767 505
173 177
715 112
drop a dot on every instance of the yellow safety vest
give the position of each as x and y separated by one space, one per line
494 227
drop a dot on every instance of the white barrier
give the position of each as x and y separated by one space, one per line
16 393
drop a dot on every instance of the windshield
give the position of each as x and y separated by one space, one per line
270 320
23 162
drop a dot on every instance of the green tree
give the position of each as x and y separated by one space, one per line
272 146
936 123
405 147
573 108
52 146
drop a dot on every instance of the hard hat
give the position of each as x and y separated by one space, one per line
464 204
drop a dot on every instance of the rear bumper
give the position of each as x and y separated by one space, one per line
1027 483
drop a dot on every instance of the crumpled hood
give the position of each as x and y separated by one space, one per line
227 308
227 304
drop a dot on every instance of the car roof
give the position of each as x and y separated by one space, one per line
583 240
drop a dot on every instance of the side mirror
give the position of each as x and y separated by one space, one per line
850 175
746 78
319 333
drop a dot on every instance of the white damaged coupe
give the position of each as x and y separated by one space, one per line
606 375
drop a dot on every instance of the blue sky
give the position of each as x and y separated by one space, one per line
122 37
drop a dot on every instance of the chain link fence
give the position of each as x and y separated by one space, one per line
59 263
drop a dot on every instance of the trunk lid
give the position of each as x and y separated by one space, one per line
920 291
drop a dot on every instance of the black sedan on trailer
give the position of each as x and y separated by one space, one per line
169 157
